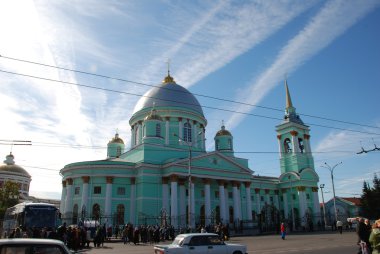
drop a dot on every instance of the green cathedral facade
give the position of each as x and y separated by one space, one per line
168 177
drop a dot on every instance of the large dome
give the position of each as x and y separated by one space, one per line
169 95
11 168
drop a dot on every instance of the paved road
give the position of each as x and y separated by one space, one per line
309 243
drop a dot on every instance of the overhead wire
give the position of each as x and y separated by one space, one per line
199 95
181 102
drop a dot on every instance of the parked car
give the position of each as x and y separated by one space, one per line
32 246
200 243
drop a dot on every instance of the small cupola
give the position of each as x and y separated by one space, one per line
115 147
224 141
152 128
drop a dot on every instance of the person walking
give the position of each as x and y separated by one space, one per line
339 225
283 231
374 238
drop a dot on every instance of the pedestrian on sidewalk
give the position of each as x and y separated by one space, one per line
339 225
283 231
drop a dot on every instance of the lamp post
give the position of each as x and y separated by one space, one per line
332 181
291 199
323 206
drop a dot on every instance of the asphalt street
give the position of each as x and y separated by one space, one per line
310 243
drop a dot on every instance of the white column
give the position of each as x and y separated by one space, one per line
139 140
192 205
294 142
165 194
280 146
317 209
276 200
267 198
63 197
132 212
302 205
173 202
69 197
207 202
306 142
108 203
167 135
258 201
133 136
222 202
182 204
84 204
285 198
248 198
235 200
227 208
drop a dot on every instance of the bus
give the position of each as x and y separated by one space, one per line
28 215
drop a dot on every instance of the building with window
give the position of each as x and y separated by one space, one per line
167 176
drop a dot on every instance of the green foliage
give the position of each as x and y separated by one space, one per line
370 199
9 196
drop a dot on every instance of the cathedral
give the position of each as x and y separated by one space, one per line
168 178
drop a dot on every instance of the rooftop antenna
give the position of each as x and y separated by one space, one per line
168 63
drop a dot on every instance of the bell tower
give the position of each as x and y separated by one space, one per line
293 140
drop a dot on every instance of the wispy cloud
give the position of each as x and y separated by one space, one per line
331 22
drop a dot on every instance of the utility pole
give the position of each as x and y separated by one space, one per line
332 181
323 206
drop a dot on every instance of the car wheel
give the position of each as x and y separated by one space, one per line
237 252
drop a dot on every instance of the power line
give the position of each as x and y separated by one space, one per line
181 102
200 95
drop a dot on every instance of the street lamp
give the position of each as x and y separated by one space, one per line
332 181
291 199
323 206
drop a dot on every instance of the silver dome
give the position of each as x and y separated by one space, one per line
169 95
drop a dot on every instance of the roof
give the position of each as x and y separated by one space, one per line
223 132
169 95
11 168
355 201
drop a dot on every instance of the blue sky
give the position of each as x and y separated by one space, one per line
235 50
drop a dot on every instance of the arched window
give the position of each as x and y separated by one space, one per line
120 214
187 132
217 144
301 145
229 144
118 151
287 146
158 130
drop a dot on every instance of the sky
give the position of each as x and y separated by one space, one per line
234 55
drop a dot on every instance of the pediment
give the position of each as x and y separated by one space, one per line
213 161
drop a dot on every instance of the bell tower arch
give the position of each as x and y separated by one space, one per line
293 140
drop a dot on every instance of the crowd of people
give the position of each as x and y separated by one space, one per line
368 236
78 236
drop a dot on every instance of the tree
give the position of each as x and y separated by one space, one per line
370 199
9 196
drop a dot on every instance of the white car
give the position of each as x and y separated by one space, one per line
200 243
32 246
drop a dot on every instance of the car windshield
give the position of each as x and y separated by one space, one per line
178 240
